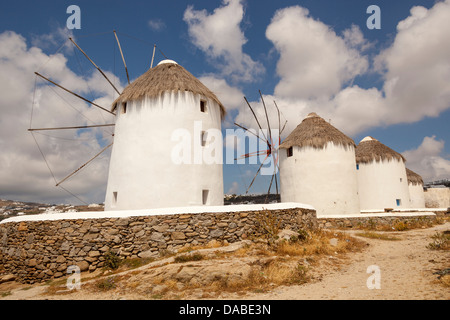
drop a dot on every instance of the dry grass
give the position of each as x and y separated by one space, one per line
272 264
286 262
379 236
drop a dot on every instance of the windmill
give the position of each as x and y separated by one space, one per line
59 89
270 142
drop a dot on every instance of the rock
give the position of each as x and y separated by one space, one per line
32 262
157 236
159 289
22 226
216 233
83 265
123 222
7 278
161 228
147 254
60 259
178 235
94 254
65 246
287 234
334 242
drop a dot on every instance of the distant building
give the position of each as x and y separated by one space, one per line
317 167
415 186
381 172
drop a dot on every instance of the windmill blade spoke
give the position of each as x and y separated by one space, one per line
73 93
267 118
77 127
84 165
257 172
252 154
283 128
248 130
153 56
256 118
123 59
279 123
93 63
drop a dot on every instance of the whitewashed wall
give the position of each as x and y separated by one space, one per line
416 195
324 178
142 172
381 183
437 198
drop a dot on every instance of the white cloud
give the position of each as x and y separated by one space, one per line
428 160
156 24
231 97
23 173
314 61
317 68
219 35
417 65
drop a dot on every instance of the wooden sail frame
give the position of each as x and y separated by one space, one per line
268 140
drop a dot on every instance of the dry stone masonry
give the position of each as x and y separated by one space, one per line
35 251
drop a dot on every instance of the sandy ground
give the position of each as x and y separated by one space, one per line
405 267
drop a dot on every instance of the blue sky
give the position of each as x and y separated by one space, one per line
391 83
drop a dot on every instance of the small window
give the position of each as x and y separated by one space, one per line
205 194
401 179
114 202
357 166
204 137
399 202
124 107
203 106
290 152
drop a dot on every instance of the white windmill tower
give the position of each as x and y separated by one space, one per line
144 172
382 180
317 167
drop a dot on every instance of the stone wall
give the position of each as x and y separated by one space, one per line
35 251
374 222
437 197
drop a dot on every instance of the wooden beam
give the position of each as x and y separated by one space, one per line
77 127
100 70
123 59
84 165
76 95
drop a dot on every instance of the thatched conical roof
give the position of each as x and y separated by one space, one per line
315 132
413 178
370 149
166 76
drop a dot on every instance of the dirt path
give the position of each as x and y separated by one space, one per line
406 272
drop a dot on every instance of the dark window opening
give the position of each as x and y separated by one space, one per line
204 137
290 152
205 194
124 107
203 107
114 198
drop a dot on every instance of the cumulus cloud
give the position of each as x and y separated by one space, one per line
416 67
23 173
428 160
317 68
220 37
231 97
314 61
